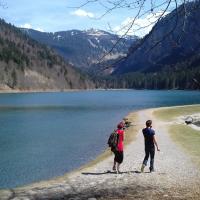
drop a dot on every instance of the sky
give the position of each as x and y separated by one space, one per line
61 15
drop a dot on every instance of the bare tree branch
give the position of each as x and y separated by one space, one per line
140 16
142 9
147 36
3 5
109 10
83 5
167 34
124 33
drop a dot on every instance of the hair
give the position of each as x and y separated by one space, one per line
120 126
148 123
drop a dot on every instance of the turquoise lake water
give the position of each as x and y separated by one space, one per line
44 135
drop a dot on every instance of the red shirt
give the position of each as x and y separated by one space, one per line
120 145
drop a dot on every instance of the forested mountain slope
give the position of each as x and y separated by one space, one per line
27 65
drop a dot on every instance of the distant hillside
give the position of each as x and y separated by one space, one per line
27 65
174 63
84 48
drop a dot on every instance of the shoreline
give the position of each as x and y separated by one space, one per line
87 176
101 157
17 91
58 90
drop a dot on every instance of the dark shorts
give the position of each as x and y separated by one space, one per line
119 155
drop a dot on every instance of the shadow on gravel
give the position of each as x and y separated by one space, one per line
112 172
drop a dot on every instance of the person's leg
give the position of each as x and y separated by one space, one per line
152 154
114 165
118 164
147 152
115 161
120 160
144 164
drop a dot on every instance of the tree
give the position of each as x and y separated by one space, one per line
14 78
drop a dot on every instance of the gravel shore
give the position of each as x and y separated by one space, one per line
176 177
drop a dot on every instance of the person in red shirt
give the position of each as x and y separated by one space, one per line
119 153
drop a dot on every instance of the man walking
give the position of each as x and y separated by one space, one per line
150 143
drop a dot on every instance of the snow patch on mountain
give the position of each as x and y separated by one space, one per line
96 32
97 39
59 37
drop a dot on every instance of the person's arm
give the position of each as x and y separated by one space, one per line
123 135
155 142
143 134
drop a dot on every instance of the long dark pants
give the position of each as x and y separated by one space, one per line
149 151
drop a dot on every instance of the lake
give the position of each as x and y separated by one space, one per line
44 135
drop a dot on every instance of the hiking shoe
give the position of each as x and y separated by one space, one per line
142 168
152 170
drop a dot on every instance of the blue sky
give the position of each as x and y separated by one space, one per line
56 15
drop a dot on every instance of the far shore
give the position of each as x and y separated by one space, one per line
96 180
16 91
38 91
58 90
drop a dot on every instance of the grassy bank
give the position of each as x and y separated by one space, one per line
185 136
168 114
188 139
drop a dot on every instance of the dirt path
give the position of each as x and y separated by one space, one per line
175 177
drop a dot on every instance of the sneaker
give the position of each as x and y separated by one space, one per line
114 168
142 168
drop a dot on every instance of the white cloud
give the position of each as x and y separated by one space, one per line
26 26
141 26
39 29
29 26
82 13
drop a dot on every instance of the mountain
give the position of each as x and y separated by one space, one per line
179 36
27 65
167 58
84 49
